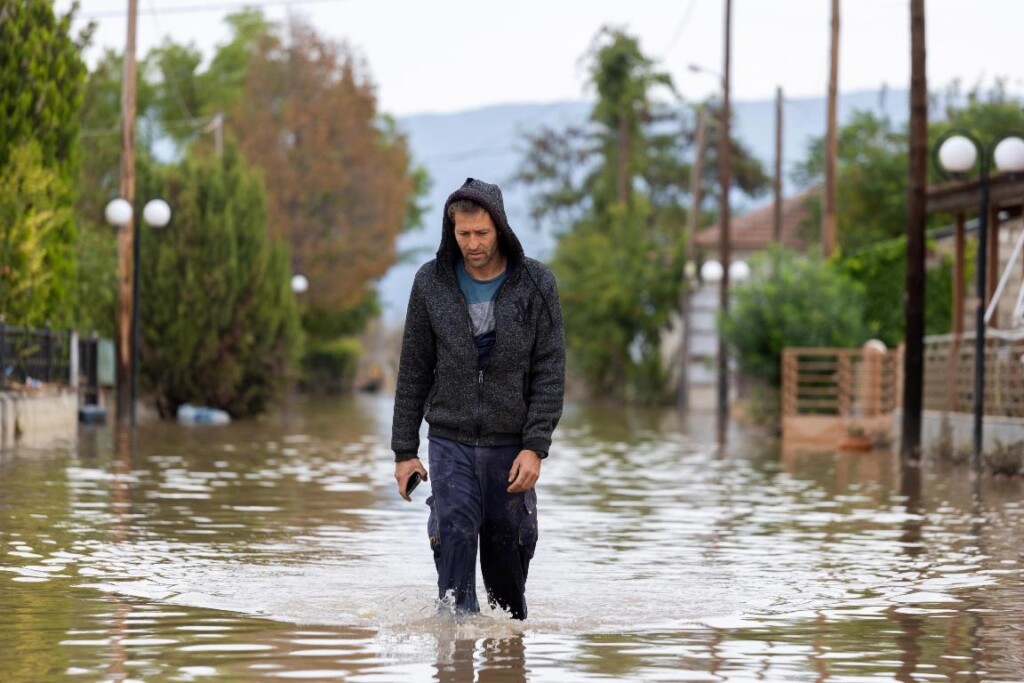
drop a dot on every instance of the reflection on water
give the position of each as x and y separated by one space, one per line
279 550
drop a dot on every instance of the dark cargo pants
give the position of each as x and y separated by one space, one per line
470 503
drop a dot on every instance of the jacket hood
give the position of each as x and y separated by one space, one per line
489 197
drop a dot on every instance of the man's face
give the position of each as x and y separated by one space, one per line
478 240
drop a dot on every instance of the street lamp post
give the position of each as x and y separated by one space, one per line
156 213
956 154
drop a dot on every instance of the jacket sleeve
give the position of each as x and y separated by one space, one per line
547 370
415 375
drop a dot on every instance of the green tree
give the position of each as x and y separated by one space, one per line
186 98
871 178
223 83
33 216
615 190
880 270
792 300
985 112
872 166
42 78
220 325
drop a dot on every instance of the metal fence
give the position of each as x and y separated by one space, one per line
34 356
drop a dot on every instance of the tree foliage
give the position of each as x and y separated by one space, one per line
338 173
42 79
219 321
872 165
881 271
36 263
615 190
339 180
871 178
792 300
618 288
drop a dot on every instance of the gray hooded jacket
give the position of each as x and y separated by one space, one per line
517 399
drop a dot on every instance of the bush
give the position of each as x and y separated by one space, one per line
791 300
329 367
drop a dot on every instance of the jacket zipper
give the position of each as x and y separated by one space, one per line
480 374
479 405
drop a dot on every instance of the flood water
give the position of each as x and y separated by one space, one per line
279 549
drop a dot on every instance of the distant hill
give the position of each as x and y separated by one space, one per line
486 143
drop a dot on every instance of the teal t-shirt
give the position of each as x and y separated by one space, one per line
480 296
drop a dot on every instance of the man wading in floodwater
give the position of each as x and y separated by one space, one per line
483 360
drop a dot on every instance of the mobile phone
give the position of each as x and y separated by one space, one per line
411 483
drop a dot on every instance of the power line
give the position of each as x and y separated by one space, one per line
683 23
195 123
202 9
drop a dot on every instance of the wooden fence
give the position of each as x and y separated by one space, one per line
831 395
840 382
826 392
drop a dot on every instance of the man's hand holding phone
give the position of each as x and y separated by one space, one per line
408 475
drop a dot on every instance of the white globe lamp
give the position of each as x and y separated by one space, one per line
156 213
1009 155
711 271
118 212
299 284
739 271
958 154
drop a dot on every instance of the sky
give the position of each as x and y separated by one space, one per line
454 55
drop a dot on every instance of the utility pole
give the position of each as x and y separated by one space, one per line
724 243
126 232
777 223
913 357
828 221
691 232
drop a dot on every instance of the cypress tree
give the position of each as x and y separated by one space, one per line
42 79
219 321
